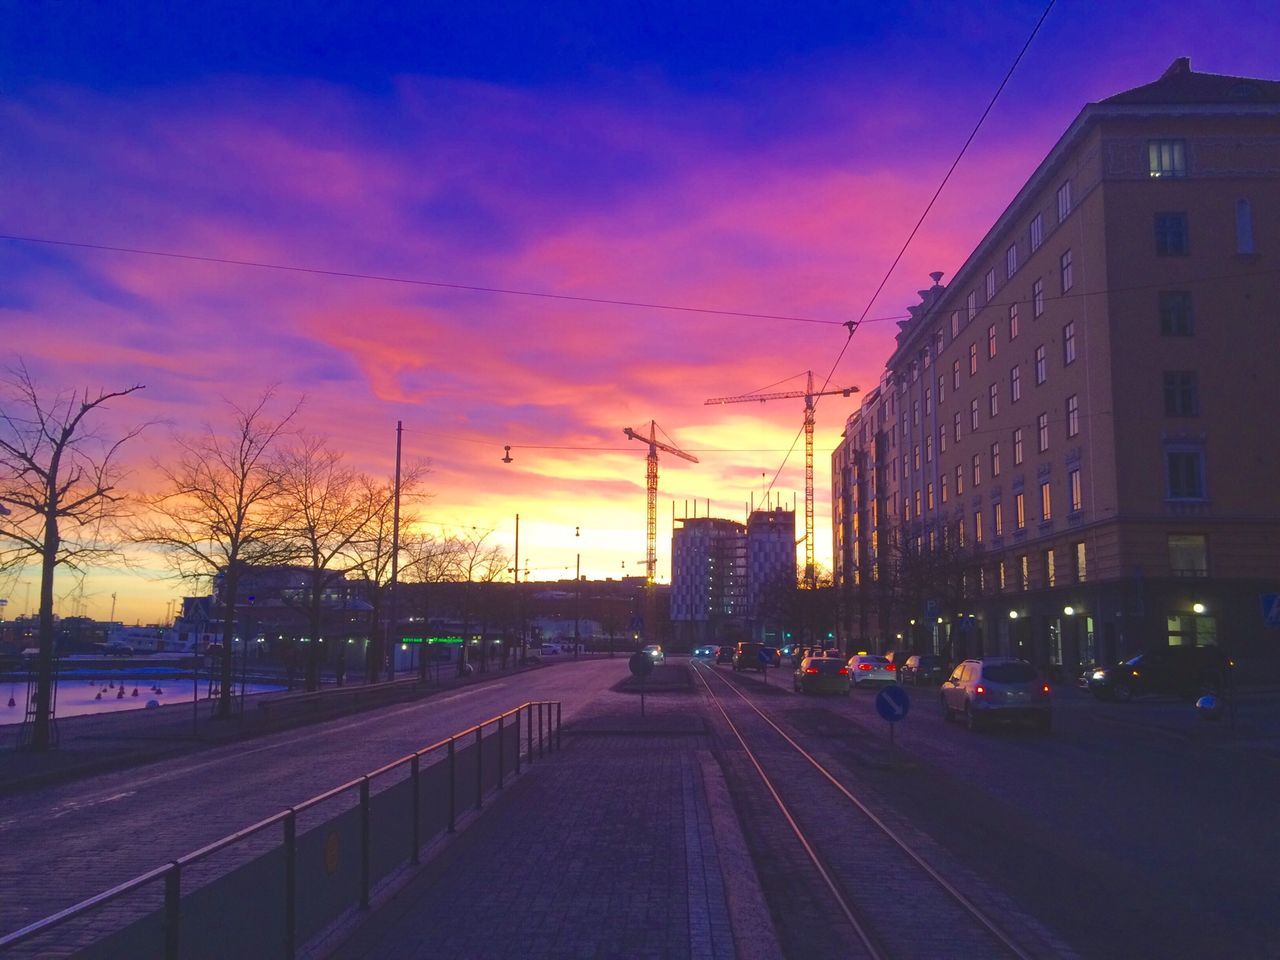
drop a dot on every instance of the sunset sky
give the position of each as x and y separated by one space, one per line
750 158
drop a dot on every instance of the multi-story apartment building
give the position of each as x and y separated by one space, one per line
1071 453
731 580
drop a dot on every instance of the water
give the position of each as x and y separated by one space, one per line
78 696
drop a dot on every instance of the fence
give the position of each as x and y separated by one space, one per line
295 874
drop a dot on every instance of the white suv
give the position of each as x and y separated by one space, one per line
996 688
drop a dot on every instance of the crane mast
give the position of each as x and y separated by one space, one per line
810 570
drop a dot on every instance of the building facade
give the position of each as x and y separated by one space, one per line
1068 456
771 573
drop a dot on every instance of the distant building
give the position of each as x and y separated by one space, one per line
1068 457
771 572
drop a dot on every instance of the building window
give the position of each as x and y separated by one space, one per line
1024 572
973 414
960 532
1244 227
1065 273
955 324
1189 554
915 457
929 495
942 487
1064 201
955 427
1042 432
1073 415
1037 231
928 401
1073 485
1042 368
1184 474
1037 298
1013 321
993 400
1082 569
1015 384
989 285
1011 260
928 448
991 342
1017 447
906 466
915 413
971 305
1050 577
959 479
1181 396
977 526
918 511
977 469
1171 235
995 459
1000 578
1019 511
955 375
942 387
997 520
1167 158
973 359
1069 344
906 508
1175 313
1046 501
942 439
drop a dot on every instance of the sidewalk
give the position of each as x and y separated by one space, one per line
609 848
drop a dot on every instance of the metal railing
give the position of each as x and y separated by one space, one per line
391 827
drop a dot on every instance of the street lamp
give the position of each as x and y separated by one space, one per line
577 592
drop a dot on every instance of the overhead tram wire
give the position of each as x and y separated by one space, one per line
854 324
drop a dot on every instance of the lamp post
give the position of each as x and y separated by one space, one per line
577 591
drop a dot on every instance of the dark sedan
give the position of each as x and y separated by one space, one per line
1185 672
821 675
923 669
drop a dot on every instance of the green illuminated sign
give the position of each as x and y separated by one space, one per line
455 640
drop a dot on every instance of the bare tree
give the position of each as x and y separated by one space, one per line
59 499
429 560
479 564
218 512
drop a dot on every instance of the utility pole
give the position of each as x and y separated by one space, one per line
577 589
389 653
112 618
516 572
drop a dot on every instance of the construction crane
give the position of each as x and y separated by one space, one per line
810 573
651 516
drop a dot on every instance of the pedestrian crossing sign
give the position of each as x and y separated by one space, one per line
1271 609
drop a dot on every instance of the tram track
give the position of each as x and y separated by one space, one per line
897 904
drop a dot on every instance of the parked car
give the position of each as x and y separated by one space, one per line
725 653
996 688
821 675
1184 672
898 658
655 653
922 668
871 668
774 655
747 656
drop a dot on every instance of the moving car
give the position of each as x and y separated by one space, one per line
821 675
704 653
870 668
655 653
725 654
1186 672
922 668
774 655
996 688
747 656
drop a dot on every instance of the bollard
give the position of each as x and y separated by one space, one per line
415 810
453 788
291 884
541 737
517 713
559 727
172 911
528 733
364 843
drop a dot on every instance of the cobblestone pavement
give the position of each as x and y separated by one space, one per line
608 850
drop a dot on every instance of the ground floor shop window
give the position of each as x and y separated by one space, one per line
1191 630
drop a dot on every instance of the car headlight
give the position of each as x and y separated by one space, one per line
1099 675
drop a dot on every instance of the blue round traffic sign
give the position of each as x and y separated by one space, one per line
892 703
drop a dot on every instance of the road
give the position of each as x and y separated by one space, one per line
1123 838
66 843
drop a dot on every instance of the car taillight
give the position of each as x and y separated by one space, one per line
980 690
1044 689
843 671
864 666
810 669
890 666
